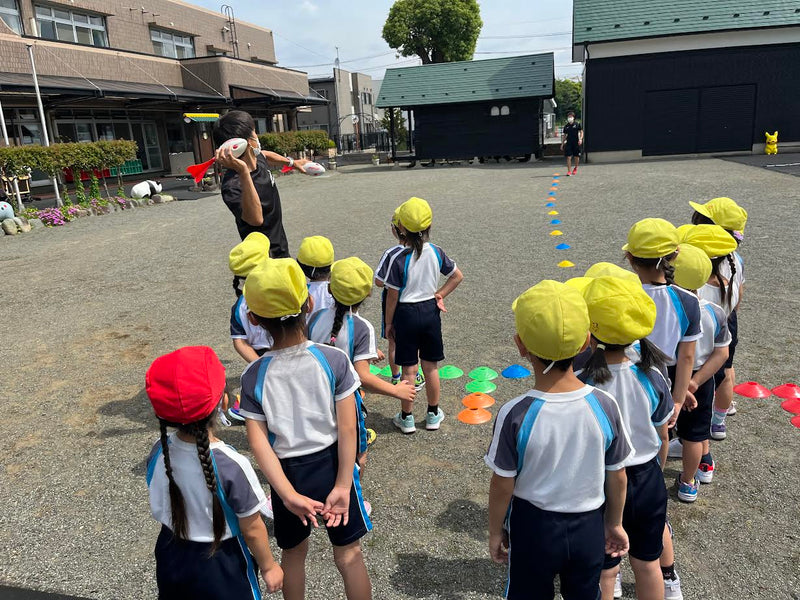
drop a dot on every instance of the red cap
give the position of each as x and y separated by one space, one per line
186 385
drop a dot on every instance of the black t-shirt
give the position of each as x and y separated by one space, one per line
267 191
571 132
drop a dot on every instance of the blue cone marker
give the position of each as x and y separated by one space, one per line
550 205
555 222
563 247
551 194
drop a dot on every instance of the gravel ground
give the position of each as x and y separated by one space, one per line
96 301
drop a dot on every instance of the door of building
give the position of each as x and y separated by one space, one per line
726 118
670 125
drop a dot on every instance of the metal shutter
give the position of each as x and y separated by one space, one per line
726 118
670 122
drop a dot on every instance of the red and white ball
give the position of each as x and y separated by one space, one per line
237 146
314 169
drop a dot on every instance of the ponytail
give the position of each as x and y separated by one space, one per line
650 356
732 265
596 368
669 270
338 319
663 264
176 503
236 288
417 240
204 454
724 293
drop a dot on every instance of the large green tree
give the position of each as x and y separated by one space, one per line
568 97
435 30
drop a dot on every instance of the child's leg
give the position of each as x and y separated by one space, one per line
293 563
432 386
608 577
667 559
692 453
724 397
409 374
350 562
649 581
392 365
577 159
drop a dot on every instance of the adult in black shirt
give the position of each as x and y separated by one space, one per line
571 142
248 187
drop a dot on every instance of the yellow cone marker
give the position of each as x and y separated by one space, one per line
553 212
564 264
556 232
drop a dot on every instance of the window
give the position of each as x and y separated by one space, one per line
504 111
10 14
500 111
495 112
70 26
172 45
323 93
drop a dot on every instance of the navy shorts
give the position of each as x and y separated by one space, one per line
544 544
695 425
417 333
572 149
184 569
314 475
645 512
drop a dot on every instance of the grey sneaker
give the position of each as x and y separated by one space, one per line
405 425
618 586
672 589
432 421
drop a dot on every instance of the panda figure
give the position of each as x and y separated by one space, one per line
146 189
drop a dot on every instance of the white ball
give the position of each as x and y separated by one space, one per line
314 169
6 212
237 146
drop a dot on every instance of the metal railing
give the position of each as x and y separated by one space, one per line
375 141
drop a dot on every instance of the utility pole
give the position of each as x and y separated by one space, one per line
336 94
43 120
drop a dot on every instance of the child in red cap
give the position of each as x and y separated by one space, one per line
205 494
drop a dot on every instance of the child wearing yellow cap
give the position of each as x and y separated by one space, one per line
414 302
621 313
301 414
727 214
249 340
380 277
693 268
315 256
558 454
343 327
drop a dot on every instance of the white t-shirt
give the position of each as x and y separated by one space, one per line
295 390
645 403
677 318
558 447
242 328
715 332
417 279
318 290
243 491
356 336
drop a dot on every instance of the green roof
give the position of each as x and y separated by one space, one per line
602 21
469 81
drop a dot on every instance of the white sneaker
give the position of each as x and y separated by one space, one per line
672 589
732 408
675 449
618 586
405 425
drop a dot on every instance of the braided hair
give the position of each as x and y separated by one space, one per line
204 454
176 503
338 319
237 288
726 295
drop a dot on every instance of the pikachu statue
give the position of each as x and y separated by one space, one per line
772 143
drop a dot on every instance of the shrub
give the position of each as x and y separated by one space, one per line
52 217
288 142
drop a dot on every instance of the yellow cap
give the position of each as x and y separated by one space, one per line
396 217
692 267
351 280
652 238
607 269
620 311
551 320
248 254
579 283
711 239
724 212
315 251
415 215
683 231
277 288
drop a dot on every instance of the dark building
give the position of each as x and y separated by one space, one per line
474 108
687 77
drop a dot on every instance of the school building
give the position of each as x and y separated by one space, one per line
676 77
111 69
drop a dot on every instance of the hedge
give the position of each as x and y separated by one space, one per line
288 142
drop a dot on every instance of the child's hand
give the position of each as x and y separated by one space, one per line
440 302
616 541
390 332
674 418
693 386
690 403
381 356
337 507
273 577
405 390
498 547
304 508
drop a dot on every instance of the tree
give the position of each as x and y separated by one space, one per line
568 98
400 130
435 30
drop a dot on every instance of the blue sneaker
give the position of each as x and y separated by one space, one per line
405 425
432 421
687 492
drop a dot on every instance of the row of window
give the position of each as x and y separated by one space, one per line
79 27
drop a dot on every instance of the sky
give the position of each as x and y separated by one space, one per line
307 32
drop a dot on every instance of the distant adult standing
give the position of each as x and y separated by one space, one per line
248 187
572 142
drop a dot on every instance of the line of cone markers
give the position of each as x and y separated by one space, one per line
555 221
788 392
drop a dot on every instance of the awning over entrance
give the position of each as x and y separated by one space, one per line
201 117
274 98
79 86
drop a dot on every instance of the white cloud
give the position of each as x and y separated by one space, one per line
309 7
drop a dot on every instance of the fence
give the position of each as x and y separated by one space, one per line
376 141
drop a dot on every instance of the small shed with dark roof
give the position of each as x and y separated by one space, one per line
668 77
482 108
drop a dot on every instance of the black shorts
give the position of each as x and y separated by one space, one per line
314 475
572 149
184 569
645 512
544 544
733 326
695 425
417 333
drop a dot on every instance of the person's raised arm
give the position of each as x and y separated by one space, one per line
280 160
252 213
